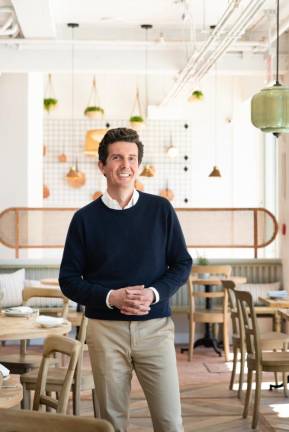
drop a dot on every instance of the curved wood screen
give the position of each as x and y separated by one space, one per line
23 227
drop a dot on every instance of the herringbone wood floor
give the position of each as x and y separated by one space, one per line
207 403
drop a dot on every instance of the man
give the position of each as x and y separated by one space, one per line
124 257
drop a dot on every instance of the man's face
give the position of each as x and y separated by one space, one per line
121 166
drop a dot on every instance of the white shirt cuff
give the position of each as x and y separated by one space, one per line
157 296
107 300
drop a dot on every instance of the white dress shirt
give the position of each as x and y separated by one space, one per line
114 204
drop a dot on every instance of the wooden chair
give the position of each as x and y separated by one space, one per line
31 421
23 362
52 345
82 380
211 314
257 360
269 341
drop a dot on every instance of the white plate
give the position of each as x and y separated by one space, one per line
49 321
18 311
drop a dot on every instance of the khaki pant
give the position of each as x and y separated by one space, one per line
118 347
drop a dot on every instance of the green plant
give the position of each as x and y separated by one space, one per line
197 95
202 261
49 104
136 119
94 109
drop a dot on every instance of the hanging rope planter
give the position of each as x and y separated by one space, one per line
136 120
49 101
93 109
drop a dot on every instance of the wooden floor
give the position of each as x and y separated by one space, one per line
207 404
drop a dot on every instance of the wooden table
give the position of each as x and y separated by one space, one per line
10 392
208 340
276 304
23 328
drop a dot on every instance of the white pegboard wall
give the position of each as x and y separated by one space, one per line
174 172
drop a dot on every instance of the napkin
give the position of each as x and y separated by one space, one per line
4 371
49 321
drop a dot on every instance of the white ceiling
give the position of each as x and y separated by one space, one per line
109 38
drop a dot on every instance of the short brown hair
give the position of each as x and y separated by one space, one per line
119 134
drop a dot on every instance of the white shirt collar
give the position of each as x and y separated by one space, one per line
114 205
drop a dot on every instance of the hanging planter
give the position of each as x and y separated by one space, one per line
196 96
94 109
136 119
49 102
94 112
136 122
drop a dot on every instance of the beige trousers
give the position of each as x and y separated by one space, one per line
117 348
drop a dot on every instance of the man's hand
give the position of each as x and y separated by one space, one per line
133 300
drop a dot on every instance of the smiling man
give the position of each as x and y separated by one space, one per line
124 257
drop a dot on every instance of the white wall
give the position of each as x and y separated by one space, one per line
21 142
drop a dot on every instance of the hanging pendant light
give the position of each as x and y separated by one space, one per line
146 27
215 171
270 107
74 177
148 171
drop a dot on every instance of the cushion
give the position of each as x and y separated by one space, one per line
11 284
45 302
259 289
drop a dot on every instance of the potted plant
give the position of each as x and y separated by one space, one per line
50 104
94 112
202 261
196 96
136 122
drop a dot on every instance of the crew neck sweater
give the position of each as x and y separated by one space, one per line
109 249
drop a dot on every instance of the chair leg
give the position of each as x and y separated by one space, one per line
242 369
95 404
256 409
285 382
192 339
235 361
248 393
26 400
226 341
76 399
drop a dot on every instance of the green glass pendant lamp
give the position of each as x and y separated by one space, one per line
270 107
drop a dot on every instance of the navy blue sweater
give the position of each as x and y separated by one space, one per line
109 249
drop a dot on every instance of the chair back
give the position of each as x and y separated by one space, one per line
81 337
213 270
30 292
249 324
230 288
31 421
63 345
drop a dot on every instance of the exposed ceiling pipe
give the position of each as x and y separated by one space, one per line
200 62
236 32
185 73
10 27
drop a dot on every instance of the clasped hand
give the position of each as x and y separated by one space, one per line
133 300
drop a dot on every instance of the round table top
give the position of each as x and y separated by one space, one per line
22 328
217 281
11 392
